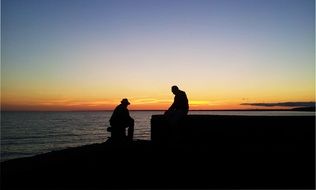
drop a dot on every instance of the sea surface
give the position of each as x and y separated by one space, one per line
26 134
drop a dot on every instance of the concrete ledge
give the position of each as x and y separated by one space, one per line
237 133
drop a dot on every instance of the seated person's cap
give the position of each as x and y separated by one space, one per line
125 101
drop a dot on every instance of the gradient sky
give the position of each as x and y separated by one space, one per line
89 54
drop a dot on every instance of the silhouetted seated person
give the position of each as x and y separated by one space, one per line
179 108
119 121
175 115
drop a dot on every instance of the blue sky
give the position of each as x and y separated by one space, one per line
234 49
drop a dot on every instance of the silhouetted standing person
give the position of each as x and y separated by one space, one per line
179 108
119 121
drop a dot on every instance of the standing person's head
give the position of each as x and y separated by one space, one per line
174 89
125 102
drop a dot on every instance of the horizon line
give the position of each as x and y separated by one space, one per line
288 109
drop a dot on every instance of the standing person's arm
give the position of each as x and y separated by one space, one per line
129 116
126 116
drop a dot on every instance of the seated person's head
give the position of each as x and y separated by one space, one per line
174 89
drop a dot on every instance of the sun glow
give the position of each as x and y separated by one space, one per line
90 57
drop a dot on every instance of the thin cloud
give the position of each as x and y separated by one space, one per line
283 104
148 101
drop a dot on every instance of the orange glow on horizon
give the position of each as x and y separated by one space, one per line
136 104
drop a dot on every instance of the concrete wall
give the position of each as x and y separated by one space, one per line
237 133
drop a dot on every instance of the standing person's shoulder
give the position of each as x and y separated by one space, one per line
119 107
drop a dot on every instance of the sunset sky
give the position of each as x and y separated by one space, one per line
89 54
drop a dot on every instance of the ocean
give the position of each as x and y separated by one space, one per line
26 134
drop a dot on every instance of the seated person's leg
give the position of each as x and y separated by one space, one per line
118 133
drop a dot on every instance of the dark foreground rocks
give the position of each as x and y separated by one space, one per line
246 158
